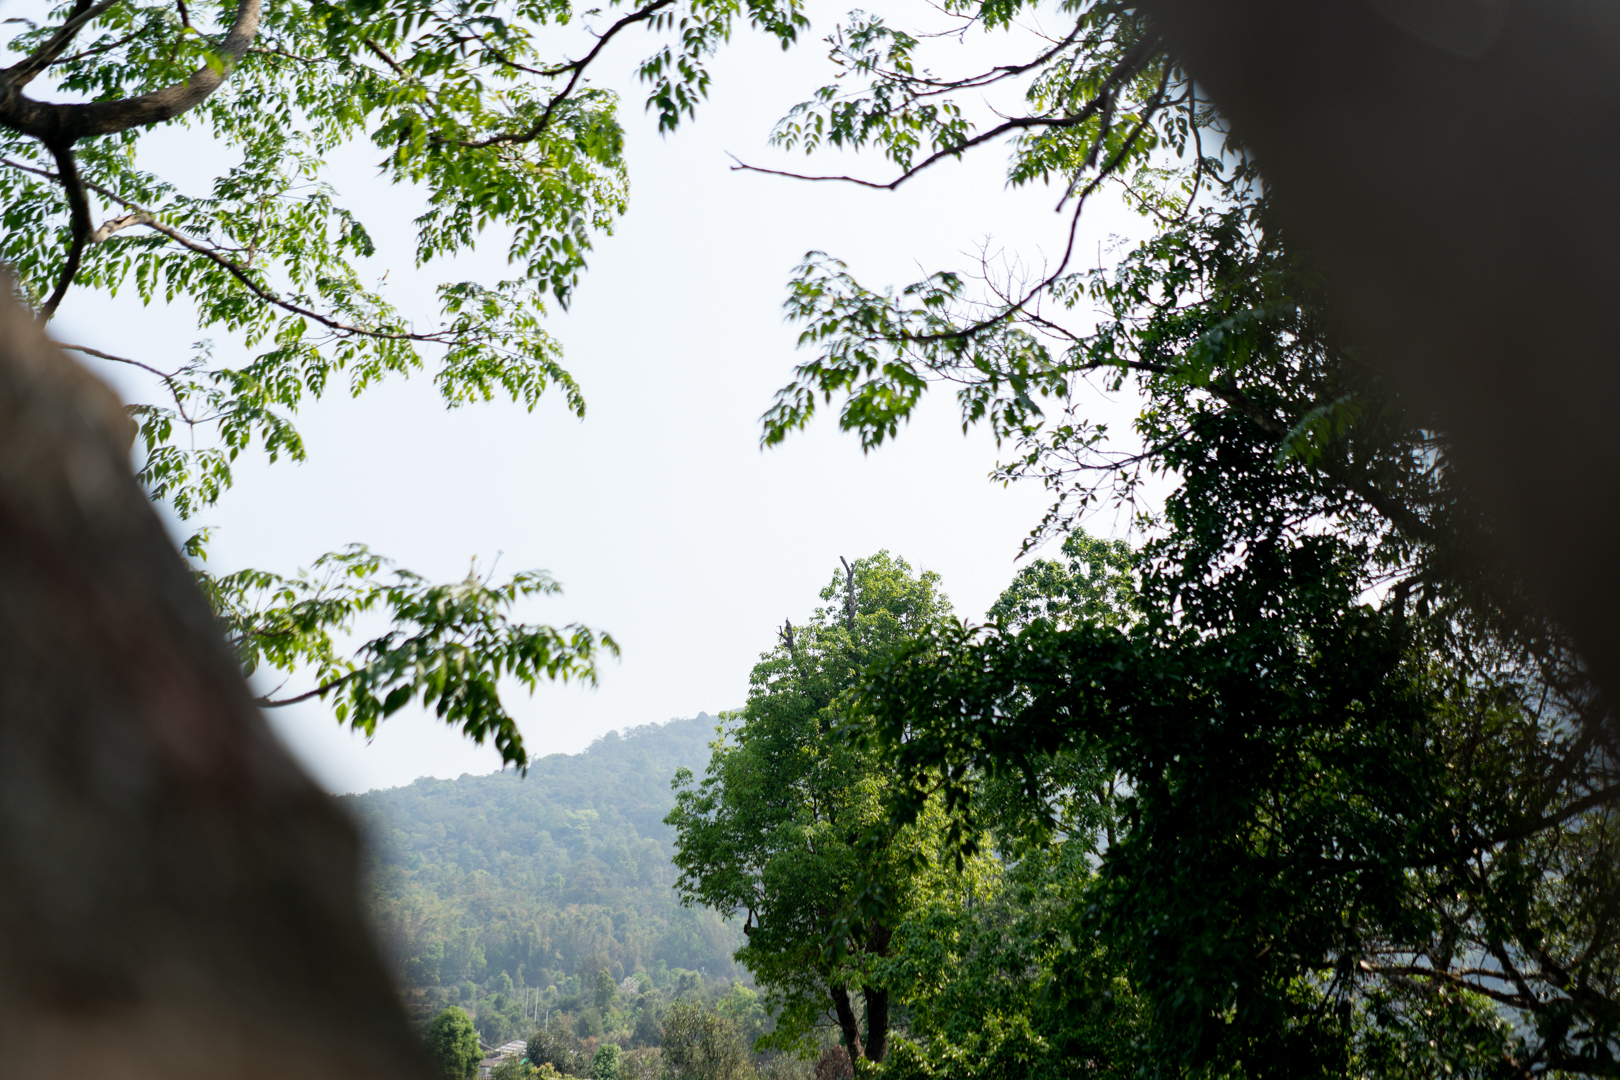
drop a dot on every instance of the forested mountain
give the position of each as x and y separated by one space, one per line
485 885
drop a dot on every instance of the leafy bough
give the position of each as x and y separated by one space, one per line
446 645
463 102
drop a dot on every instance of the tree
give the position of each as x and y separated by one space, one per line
1348 825
702 1045
555 1047
605 1065
453 1045
746 1012
459 101
1358 765
515 1069
779 830
605 989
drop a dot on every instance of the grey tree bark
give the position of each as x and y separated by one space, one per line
177 900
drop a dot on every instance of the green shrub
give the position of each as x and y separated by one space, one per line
605 1065
452 1045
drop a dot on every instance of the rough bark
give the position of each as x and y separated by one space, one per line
62 125
1452 163
177 900
847 1023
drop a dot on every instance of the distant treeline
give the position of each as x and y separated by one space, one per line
507 895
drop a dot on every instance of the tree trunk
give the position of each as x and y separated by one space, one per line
877 1024
847 1023
177 900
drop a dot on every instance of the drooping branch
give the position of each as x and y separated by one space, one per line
65 124
79 210
140 216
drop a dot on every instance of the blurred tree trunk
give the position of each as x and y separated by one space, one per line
177 899
1453 163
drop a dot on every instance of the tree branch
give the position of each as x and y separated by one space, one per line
577 67
1580 806
168 378
79 211
140 216
268 702
1133 62
64 125
22 73
118 224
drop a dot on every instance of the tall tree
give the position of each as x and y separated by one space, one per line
780 830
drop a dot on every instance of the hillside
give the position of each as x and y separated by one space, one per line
486 885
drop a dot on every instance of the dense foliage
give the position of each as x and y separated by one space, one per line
779 830
452 1045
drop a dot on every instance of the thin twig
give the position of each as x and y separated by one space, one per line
577 67
1133 61
97 50
167 377
230 266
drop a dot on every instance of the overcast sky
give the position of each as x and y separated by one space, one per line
660 515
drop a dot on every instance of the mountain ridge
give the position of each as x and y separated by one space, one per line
526 888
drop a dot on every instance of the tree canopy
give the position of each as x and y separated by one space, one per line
1356 789
453 1045
781 828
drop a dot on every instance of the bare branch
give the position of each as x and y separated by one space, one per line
1016 124
1074 226
167 377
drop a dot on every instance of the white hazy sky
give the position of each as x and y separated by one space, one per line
665 522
